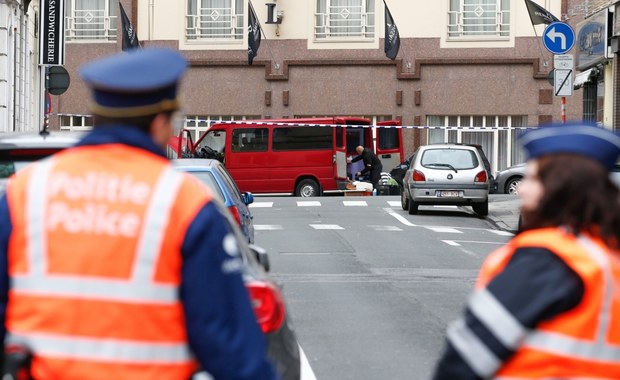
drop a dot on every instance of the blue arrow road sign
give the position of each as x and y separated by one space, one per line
558 37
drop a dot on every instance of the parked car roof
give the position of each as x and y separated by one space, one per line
213 174
18 149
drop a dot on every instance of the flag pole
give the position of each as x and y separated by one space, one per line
542 52
276 65
407 63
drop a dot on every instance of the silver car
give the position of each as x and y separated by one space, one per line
446 174
507 181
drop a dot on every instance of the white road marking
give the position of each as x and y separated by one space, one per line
308 203
501 233
446 206
306 371
267 227
451 242
385 228
394 203
326 227
398 217
304 253
476 242
354 203
261 204
445 229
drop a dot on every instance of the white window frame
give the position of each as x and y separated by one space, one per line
210 22
498 135
478 19
332 18
75 122
90 25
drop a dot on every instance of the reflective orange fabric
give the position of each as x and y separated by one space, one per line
118 181
581 323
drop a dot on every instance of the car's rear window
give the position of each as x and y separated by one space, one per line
208 179
14 160
448 159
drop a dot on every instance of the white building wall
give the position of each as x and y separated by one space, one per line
163 20
18 91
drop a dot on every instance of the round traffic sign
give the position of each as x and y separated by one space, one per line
559 37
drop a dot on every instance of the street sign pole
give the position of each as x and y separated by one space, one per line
563 112
559 38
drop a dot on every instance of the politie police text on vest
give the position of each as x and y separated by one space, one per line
97 203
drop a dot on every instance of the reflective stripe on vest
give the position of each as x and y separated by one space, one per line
57 346
599 349
513 335
138 288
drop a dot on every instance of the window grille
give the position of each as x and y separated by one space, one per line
91 20
479 18
344 19
215 20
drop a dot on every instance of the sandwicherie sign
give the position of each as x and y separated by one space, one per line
52 33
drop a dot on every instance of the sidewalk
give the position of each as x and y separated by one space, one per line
504 211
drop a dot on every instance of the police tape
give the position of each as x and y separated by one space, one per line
211 123
194 123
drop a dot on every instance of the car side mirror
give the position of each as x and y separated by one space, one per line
247 198
261 256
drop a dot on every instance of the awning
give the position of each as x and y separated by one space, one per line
584 77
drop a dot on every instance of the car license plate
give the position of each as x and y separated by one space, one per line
448 194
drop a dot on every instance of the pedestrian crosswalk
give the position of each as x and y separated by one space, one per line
389 228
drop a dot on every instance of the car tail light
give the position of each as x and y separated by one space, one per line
418 176
268 305
234 211
481 177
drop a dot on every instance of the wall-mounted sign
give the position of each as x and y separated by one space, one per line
592 40
52 33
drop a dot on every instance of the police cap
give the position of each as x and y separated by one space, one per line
585 139
137 83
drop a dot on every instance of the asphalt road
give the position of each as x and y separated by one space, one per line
370 288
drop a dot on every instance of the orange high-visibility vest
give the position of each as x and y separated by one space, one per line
583 343
94 261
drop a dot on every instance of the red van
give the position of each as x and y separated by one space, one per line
304 157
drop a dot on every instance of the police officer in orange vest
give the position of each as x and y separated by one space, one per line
547 305
115 266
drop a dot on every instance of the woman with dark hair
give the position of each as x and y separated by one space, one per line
547 304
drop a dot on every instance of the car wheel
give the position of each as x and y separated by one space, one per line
404 199
307 188
413 207
512 185
481 209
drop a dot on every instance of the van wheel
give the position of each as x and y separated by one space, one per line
413 207
404 200
481 209
307 188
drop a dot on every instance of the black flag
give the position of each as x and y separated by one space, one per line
538 14
253 34
392 38
130 37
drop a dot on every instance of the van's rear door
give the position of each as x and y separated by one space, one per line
390 144
340 155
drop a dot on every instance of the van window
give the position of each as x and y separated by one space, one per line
250 139
388 138
302 138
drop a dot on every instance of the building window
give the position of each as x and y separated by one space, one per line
215 20
479 18
344 19
91 20
75 123
496 134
